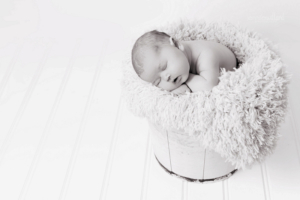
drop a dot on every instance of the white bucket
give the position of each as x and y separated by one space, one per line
192 161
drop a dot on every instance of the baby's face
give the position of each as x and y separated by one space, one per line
168 70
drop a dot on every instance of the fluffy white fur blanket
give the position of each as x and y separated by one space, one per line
240 117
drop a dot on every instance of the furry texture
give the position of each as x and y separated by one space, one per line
239 118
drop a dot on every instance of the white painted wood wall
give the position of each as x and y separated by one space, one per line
65 132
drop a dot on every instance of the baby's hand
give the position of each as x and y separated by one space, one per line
181 89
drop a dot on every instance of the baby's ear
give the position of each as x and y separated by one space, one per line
176 43
172 41
180 46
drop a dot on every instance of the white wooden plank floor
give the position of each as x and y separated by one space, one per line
65 131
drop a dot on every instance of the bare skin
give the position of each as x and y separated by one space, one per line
190 66
226 57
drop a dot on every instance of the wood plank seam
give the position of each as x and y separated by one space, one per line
225 189
185 189
265 179
10 68
86 112
146 172
111 155
49 124
3 84
24 103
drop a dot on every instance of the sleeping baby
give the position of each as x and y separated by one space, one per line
180 66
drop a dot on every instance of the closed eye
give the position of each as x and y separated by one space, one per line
156 82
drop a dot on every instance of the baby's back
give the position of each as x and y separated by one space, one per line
227 58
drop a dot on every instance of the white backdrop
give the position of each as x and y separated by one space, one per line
65 133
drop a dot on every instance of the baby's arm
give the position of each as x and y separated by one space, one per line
209 76
182 89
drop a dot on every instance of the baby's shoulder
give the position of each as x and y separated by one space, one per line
199 46
213 51
206 45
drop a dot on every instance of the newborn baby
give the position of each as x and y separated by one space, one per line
180 67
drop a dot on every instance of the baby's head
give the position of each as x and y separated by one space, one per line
160 59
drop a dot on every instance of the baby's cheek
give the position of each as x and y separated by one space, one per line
175 87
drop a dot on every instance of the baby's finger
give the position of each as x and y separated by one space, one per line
176 92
